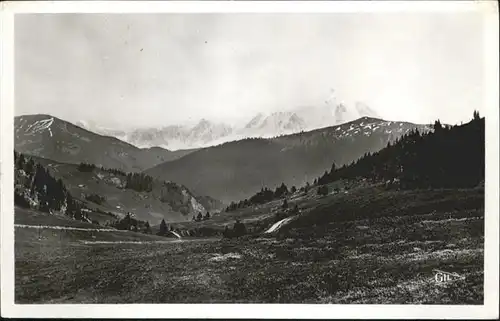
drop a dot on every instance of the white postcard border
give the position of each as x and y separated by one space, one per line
9 309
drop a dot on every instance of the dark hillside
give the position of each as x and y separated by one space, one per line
236 170
449 157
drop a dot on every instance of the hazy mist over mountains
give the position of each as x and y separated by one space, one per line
207 132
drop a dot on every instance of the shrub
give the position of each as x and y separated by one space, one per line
94 198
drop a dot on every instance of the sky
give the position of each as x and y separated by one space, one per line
147 70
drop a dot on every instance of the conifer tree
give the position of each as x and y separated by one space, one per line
226 232
29 167
163 227
147 228
20 161
334 167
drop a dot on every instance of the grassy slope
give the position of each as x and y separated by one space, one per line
146 206
366 246
33 217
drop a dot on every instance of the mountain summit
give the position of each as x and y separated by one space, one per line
207 133
53 138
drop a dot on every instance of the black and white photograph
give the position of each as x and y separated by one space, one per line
257 157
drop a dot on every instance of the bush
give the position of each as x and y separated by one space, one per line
323 190
19 200
94 198
85 167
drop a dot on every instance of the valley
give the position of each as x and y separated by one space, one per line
235 170
319 161
374 231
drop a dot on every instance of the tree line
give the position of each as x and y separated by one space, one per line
448 157
200 217
139 182
86 167
130 223
265 195
36 188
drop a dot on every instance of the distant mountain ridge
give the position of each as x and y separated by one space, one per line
228 171
236 170
208 133
53 138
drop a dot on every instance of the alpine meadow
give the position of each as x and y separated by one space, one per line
334 158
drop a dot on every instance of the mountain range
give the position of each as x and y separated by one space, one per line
236 170
208 133
228 171
50 137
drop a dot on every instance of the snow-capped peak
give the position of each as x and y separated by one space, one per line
205 133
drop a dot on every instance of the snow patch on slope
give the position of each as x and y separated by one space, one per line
41 125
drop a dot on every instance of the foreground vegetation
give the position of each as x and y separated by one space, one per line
356 258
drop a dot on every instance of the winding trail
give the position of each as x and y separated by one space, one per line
55 227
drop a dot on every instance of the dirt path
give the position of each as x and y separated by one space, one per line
68 228
278 224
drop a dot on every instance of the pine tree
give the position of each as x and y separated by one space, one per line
199 217
239 229
127 222
227 232
334 167
147 228
285 204
163 227
437 126
20 162
322 190
29 167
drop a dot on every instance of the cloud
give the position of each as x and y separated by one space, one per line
158 69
